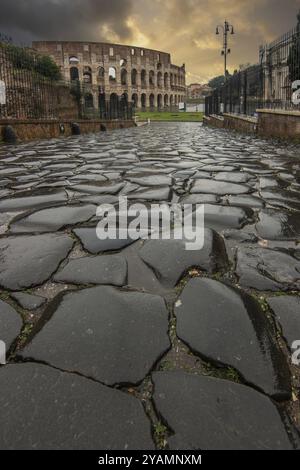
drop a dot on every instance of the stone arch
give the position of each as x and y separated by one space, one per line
123 77
144 78
88 100
74 74
101 73
124 105
151 78
135 100
171 79
143 100
112 74
166 101
114 105
73 60
151 100
134 77
166 80
159 101
159 79
171 101
87 75
102 105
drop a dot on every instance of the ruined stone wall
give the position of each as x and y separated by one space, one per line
147 77
46 129
276 123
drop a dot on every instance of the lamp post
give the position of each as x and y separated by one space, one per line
227 28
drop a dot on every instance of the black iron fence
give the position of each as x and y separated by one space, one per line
273 83
31 87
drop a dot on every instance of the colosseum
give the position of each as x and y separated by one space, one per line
144 76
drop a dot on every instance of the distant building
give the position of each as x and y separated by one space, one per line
110 71
197 91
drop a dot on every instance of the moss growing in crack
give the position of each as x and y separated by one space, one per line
262 302
225 373
160 435
166 365
27 329
172 331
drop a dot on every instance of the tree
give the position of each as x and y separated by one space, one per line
217 81
47 67
26 59
294 55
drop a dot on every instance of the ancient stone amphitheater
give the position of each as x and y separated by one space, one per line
143 76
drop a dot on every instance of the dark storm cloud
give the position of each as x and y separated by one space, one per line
65 19
185 28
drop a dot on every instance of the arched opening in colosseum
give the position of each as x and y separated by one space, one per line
102 104
159 101
87 75
166 78
151 78
88 100
135 100
159 79
112 74
114 105
74 74
171 101
73 60
123 77
134 77
101 73
175 100
143 100
166 101
144 78
123 63
151 101
124 105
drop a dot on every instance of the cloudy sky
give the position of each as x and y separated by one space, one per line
185 28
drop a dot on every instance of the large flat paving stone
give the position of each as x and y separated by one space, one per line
266 269
91 243
274 225
10 324
158 193
53 219
228 327
220 217
44 409
221 188
95 270
287 311
212 414
170 259
33 200
28 301
27 261
104 333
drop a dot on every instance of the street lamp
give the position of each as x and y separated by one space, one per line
227 28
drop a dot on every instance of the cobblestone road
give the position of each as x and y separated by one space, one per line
115 344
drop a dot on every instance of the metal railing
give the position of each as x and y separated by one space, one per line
31 87
270 84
